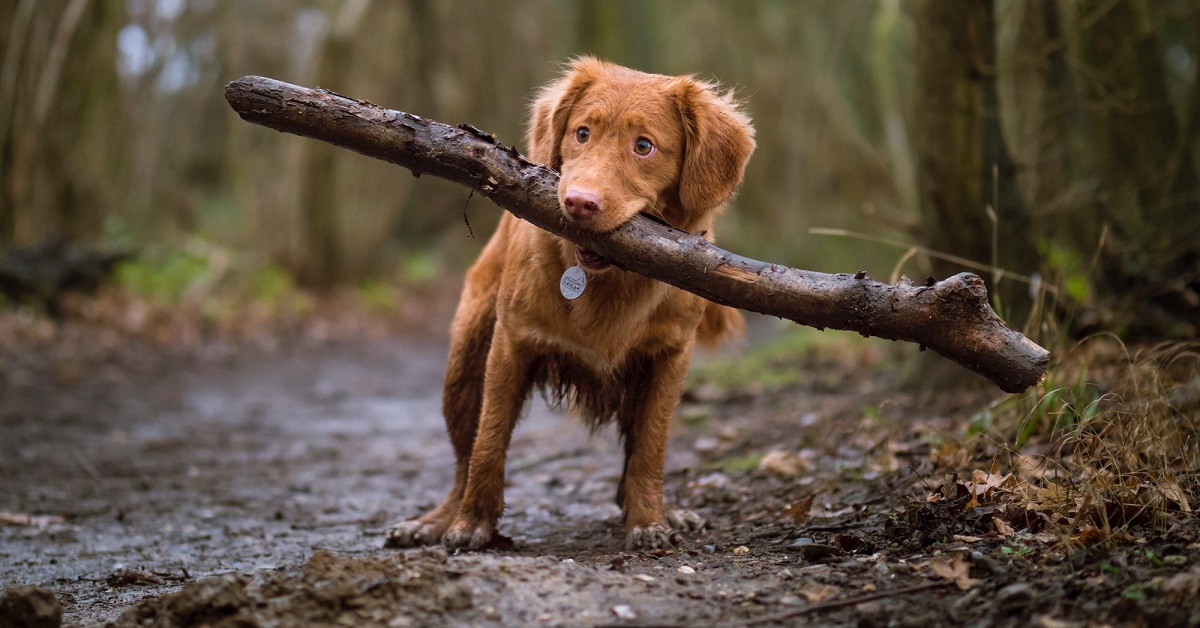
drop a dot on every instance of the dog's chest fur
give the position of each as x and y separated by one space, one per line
595 351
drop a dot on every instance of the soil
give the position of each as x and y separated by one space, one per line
250 483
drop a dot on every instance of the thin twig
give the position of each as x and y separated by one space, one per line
833 527
89 469
470 232
953 259
848 601
537 461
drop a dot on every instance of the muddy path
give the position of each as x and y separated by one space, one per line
252 485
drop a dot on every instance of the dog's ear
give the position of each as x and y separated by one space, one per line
548 120
719 141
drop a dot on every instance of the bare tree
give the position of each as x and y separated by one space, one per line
59 142
971 204
1149 279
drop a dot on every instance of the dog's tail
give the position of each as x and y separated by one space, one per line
719 323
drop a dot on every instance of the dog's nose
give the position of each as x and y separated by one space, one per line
581 204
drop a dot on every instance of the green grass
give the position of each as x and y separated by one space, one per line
165 280
787 360
735 464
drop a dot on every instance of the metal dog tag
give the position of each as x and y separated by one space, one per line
572 283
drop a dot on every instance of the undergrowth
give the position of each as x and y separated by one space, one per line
1102 451
1105 448
201 291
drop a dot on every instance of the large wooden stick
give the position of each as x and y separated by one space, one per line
952 316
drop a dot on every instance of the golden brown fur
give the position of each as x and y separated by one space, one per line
674 147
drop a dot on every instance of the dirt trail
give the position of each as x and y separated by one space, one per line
217 485
240 463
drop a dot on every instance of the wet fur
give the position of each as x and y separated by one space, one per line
620 351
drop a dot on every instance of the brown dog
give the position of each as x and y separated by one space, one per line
625 142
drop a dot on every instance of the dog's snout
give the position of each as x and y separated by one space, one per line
580 204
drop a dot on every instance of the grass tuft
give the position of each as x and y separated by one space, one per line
1105 447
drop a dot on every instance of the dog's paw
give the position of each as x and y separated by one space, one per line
411 533
686 521
477 535
652 537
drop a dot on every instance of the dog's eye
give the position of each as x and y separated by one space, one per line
582 135
643 146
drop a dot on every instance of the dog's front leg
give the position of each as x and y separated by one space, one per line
506 386
645 424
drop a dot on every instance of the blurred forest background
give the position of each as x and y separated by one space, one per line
1050 146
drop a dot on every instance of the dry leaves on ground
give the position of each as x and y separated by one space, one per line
959 571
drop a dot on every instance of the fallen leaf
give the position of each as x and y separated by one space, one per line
1051 494
958 571
798 510
962 538
1182 586
1174 492
951 486
1090 536
951 454
1046 538
132 577
1045 621
814 592
34 521
983 483
781 463
1033 467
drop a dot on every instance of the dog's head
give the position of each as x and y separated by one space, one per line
626 141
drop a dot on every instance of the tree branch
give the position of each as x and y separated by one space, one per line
952 317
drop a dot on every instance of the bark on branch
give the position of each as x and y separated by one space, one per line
952 316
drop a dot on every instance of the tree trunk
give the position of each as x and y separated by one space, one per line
952 317
1150 268
964 166
322 265
1051 128
60 146
623 31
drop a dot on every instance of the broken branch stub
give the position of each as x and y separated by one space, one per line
952 316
